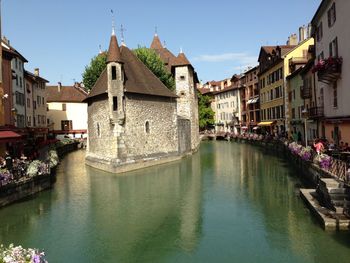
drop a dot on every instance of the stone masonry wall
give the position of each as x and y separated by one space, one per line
162 137
102 143
187 103
184 126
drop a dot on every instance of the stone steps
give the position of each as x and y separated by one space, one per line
333 195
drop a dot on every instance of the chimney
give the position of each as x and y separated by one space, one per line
292 40
301 34
76 84
36 72
309 28
59 86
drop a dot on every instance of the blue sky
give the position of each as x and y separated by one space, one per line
220 38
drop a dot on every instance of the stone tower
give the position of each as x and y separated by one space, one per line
187 102
115 91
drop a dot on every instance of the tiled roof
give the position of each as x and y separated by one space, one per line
138 78
65 94
12 50
204 91
156 44
167 57
181 60
113 54
34 77
284 48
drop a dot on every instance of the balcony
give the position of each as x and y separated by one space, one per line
328 70
316 112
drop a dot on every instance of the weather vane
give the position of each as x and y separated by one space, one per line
122 30
113 24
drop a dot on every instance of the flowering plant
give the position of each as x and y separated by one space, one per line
295 148
324 64
306 153
5 176
12 254
33 168
324 161
53 158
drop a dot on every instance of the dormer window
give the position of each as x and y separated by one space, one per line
114 72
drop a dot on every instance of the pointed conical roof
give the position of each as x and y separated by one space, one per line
182 60
156 44
113 54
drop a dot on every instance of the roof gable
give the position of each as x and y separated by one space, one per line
65 94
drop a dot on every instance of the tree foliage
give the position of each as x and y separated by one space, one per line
93 70
152 60
147 56
205 112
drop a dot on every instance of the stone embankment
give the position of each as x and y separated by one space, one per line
38 177
329 197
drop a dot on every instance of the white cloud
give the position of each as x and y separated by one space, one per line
238 58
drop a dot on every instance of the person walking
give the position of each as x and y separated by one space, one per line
9 161
318 146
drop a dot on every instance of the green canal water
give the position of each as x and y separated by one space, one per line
227 203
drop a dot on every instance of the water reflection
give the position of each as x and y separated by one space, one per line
148 211
227 203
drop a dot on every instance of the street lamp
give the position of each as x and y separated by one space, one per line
304 113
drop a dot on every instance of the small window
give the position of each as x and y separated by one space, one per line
182 93
64 106
114 72
115 103
66 125
335 95
98 130
147 127
182 78
331 15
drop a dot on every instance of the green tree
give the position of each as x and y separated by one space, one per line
93 70
205 112
152 60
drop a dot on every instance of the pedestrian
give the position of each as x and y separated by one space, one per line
318 146
9 161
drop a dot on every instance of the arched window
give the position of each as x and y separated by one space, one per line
98 130
147 127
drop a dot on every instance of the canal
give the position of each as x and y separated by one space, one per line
227 203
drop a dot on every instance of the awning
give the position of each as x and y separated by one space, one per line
252 101
9 136
265 123
256 127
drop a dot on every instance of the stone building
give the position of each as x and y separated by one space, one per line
133 117
185 86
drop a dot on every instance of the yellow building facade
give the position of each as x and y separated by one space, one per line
271 98
292 60
276 63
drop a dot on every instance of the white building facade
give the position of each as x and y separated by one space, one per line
332 42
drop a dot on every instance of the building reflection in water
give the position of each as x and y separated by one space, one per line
147 212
